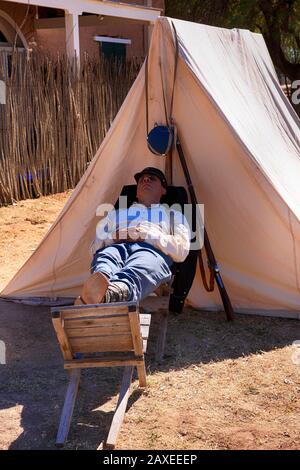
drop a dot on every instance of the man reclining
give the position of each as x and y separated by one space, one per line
135 247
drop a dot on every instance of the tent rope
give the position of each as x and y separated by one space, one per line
147 94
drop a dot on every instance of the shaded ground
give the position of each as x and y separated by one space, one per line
222 386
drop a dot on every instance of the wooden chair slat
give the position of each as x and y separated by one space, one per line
95 313
109 361
98 331
102 343
96 322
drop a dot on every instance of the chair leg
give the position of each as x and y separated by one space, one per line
68 408
142 375
161 340
120 409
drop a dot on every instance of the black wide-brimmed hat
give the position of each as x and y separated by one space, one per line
152 171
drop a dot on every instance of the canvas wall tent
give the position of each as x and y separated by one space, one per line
241 139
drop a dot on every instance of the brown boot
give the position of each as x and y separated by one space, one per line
93 290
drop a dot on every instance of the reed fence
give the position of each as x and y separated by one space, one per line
54 119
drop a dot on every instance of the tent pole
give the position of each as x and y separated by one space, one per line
212 262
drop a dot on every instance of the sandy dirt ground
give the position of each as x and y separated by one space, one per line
221 386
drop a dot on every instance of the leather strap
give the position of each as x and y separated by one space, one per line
211 286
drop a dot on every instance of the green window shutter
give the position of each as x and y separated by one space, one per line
112 50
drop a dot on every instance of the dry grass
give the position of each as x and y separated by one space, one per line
222 385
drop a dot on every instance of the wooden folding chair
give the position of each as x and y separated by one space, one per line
102 335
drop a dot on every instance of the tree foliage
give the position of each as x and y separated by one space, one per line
277 20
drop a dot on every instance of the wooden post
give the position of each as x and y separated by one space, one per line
149 4
148 29
72 37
